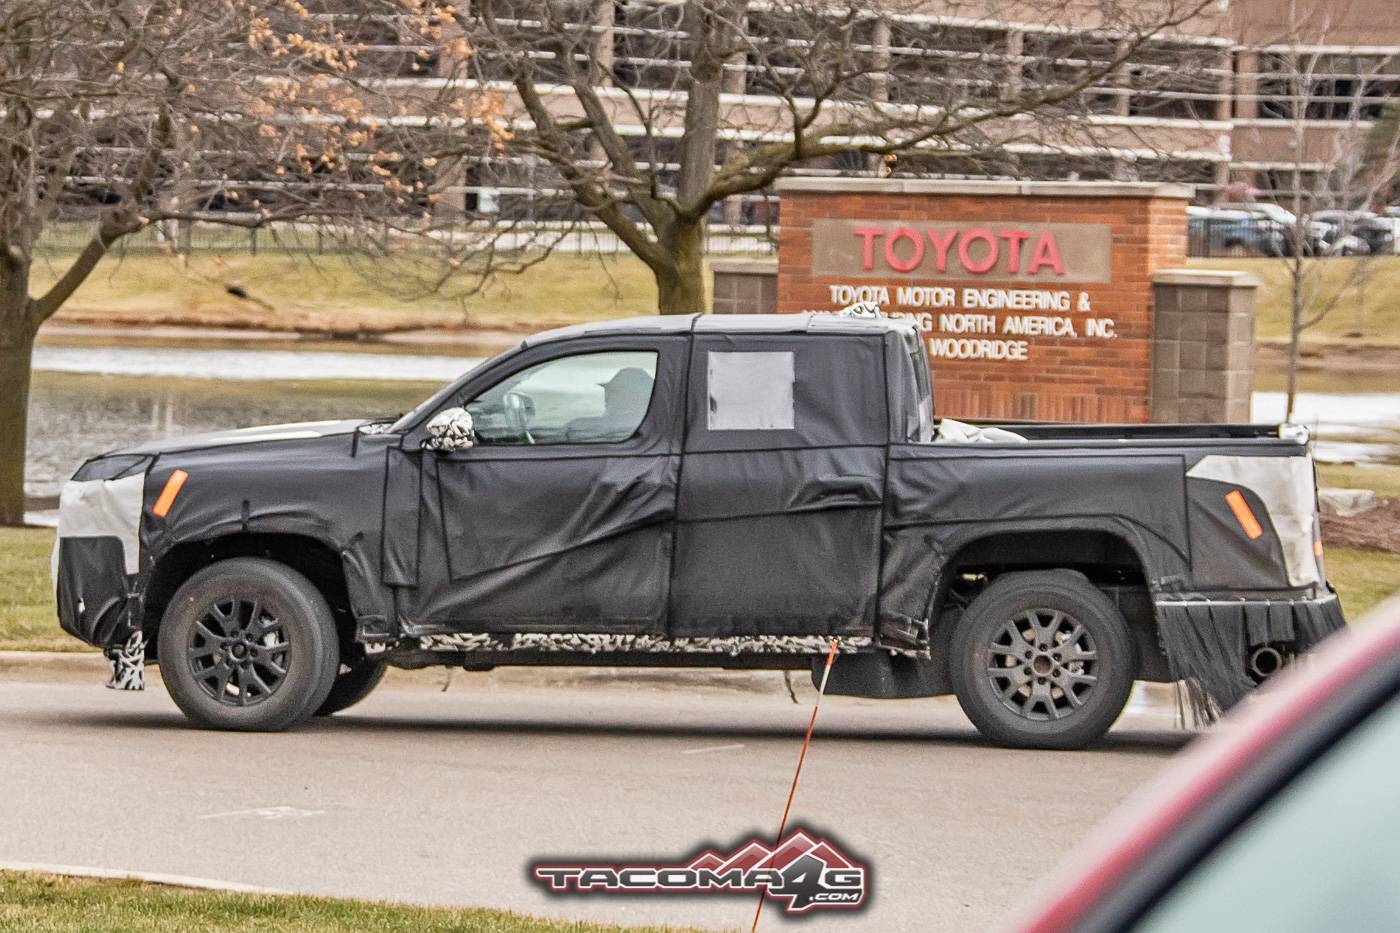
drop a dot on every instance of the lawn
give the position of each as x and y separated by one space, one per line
1362 578
27 620
1367 310
342 295
1383 479
51 904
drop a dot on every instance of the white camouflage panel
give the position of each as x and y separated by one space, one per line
643 644
128 664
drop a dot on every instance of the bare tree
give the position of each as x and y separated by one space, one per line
1338 171
647 116
129 113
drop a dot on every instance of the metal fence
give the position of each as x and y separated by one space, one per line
1230 240
188 237
1233 241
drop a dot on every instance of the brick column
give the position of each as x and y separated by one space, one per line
1203 345
745 286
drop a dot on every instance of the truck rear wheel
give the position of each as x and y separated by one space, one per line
1042 660
248 644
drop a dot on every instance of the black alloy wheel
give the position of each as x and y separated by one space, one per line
239 652
1043 664
1042 659
248 644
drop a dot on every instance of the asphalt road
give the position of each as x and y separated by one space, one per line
420 795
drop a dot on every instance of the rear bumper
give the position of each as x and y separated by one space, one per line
1303 620
1208 638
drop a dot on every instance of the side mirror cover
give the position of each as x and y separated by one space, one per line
451 429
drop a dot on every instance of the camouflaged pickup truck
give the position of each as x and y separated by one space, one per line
703 491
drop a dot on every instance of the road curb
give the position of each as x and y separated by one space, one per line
148 877
52 665
87 667
91 667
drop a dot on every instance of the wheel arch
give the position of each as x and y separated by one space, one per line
1109 560
313 558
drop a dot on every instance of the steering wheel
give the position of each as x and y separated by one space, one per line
518 409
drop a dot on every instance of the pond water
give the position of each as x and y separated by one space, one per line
91 398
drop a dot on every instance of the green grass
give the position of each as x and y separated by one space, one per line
51 904
27 620
27 614
1362 578
344 295
1367 309
1382 478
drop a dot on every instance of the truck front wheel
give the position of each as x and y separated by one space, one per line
352 684
1042 660
248 644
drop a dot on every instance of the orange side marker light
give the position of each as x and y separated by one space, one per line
168 494
1317 547
1243 515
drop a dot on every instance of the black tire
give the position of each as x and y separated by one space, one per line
248 644
352 685
1064 685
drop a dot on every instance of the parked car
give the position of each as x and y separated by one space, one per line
703 490
1375 233
1285 820
1312 236
1217 232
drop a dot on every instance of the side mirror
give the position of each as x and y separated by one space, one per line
451 429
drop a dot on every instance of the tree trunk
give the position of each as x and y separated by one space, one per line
16 347
680 287
1295 332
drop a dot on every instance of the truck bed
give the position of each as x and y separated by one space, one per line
1194 433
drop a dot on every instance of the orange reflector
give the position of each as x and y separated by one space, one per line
1243 515
168 494
1317 547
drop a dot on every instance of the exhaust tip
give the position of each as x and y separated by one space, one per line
1264 662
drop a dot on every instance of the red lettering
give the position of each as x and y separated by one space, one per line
904 265
1046 253
867 259
1014 239
940 247
977 267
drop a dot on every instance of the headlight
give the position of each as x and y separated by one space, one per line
112 467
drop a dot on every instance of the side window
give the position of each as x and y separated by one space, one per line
750 391
590 398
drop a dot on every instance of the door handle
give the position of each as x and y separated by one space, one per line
857 489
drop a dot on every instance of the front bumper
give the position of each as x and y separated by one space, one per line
93 591
97 556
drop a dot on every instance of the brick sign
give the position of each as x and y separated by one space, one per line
962 252
1034 299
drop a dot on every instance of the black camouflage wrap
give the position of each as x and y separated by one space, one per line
839 519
